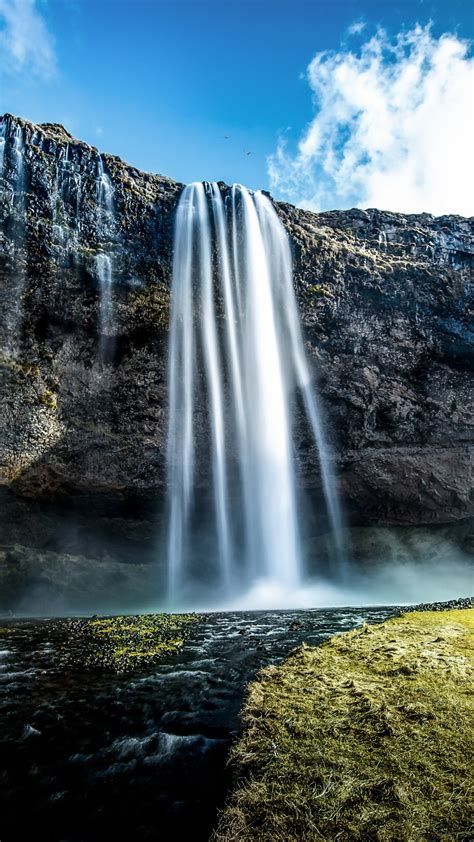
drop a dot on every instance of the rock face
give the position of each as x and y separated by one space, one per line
85 266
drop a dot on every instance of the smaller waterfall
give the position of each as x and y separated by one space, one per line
65 199
70 219
70 188
17 157
15 220
3 132
12 165
103 265
60 225
105 191
236 363
104 261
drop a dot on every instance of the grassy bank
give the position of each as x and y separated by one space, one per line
368 737
121 644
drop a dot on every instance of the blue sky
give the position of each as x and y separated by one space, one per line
161 83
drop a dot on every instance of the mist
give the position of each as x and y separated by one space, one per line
390 566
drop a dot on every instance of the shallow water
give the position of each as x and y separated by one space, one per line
85 757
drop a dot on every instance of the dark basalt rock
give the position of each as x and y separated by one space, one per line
386 306
462 602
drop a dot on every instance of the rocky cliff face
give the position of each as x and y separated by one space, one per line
85 264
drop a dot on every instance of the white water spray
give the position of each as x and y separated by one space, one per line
236 360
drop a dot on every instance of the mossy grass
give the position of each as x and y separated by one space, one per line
122 644
48 399
150 307
320 290
367 737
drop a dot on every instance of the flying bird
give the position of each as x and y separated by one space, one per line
247 153
227 137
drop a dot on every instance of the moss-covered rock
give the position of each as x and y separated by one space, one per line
149 309
122 644
368 737
48 399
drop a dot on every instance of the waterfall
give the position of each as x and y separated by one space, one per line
17 156
105 191
104 261
65 199
12 163
103 264
14 218
236 362
3 132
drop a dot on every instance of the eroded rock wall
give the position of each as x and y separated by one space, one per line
385 302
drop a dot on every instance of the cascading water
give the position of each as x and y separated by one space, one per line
17 158
13 210
103 264
59 195
236 360
69 188
3 132
105 191
103 261
12 163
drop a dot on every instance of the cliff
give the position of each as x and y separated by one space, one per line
386 305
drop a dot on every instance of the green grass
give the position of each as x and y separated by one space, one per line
367 737
122 644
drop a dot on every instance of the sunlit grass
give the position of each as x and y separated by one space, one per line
122 644
368 737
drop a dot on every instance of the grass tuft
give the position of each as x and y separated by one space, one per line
367 737
122 644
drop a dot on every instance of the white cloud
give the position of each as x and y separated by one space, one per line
393 129
356 28
26 45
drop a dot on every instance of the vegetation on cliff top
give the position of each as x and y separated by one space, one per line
368 737
122 644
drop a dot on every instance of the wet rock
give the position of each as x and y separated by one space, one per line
45 582
385 304
462 602
294 625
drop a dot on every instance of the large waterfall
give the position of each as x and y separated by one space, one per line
236 364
